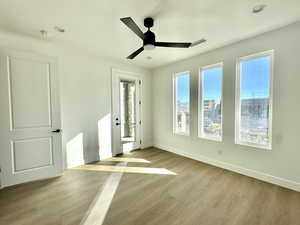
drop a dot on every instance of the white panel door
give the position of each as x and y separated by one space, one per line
117 145
30 137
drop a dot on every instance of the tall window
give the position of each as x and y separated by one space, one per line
254 100
182 103
210 102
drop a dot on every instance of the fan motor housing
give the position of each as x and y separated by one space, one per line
149 38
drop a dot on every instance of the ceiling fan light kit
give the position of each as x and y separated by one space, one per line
149 41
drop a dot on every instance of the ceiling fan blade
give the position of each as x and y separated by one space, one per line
173 44
133 55
128 21
198 42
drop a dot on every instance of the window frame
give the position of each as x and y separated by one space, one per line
238 102
200 102
175 75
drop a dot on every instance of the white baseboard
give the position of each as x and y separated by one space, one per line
241 170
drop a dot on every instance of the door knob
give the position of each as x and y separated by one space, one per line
117 124
56 131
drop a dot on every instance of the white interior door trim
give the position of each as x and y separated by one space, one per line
128 76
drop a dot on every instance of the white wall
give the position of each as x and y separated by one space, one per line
281 165
85 89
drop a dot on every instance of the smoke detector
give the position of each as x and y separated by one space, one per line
258 8
44 34
59 29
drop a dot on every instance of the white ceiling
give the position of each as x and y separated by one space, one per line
94 24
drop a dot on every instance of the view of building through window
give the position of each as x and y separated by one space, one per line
254 101
182 103
128 111
253 124
211 102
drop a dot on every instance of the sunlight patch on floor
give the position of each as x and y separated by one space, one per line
123 169
100 205
121 159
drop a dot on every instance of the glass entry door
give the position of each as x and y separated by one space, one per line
126 122
128 111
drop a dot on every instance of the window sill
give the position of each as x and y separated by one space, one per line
211 138
253 145
181 134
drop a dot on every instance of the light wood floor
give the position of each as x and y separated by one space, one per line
198 194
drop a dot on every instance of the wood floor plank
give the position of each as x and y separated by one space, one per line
197 194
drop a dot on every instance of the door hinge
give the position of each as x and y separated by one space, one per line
140 102
140 142
140 82
140 122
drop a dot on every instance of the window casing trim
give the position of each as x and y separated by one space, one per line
175 75
200 102
238 102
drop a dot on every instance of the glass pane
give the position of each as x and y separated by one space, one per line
212 102
255 100
183 103
128 111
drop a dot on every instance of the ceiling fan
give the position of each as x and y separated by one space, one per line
148 37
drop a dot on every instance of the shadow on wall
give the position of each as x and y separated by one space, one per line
104 137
